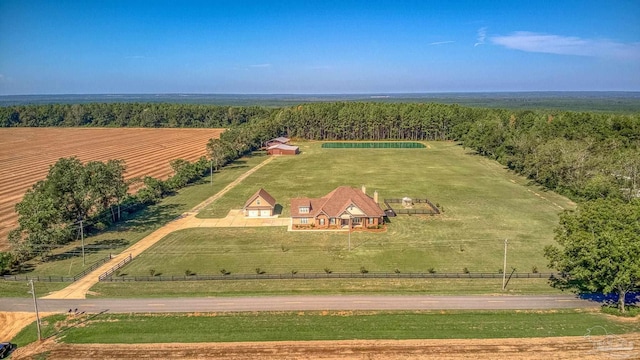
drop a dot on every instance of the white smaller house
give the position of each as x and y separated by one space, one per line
260 204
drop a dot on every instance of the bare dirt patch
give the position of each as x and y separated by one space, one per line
523 349
12 322
27 153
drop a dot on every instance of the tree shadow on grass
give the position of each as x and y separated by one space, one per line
88 249
150 218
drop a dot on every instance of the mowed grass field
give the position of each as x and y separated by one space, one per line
483 205
27 153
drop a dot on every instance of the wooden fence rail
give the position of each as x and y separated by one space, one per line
108 273
328 276
47 278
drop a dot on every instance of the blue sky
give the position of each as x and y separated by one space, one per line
267 47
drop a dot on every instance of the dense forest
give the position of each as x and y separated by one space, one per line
585 156
128 115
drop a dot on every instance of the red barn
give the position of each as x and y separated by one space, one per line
283 149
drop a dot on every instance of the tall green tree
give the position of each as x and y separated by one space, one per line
41 224
599 247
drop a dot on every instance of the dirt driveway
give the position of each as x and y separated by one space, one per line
79 289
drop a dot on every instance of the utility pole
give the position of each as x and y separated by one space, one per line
504 267
82 239
35 304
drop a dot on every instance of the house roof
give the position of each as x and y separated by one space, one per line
283 147
281 139
336 203
263 194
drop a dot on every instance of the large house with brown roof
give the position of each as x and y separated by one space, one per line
259 204
344 207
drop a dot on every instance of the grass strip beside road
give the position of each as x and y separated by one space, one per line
320 287
325 325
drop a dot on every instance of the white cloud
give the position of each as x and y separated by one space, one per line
568 45
441 42
482 35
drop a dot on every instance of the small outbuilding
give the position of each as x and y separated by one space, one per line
277 141
283 149
259 204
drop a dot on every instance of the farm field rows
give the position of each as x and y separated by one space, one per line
27 153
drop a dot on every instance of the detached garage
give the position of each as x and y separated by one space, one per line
260 204
283 149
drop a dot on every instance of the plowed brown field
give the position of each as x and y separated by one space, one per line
27 153
558 348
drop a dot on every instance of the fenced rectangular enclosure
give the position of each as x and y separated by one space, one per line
411 206
373 145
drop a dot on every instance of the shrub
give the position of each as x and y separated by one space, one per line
293 272
327 270
259 271
397 271
465 270
363 270
152 272
224 272
534 269
500 271
188 272
431 270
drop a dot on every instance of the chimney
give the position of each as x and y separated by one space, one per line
375 196
364 189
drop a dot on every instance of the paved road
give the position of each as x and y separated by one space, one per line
300 303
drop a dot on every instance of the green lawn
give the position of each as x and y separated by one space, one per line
483 205
333 325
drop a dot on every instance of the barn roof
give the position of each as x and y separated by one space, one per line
283 147
280 139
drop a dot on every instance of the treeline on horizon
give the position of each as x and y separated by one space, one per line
128 115
583 155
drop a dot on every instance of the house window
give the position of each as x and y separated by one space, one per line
332 221
303 210
321 221
370 221
304 220
258 202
